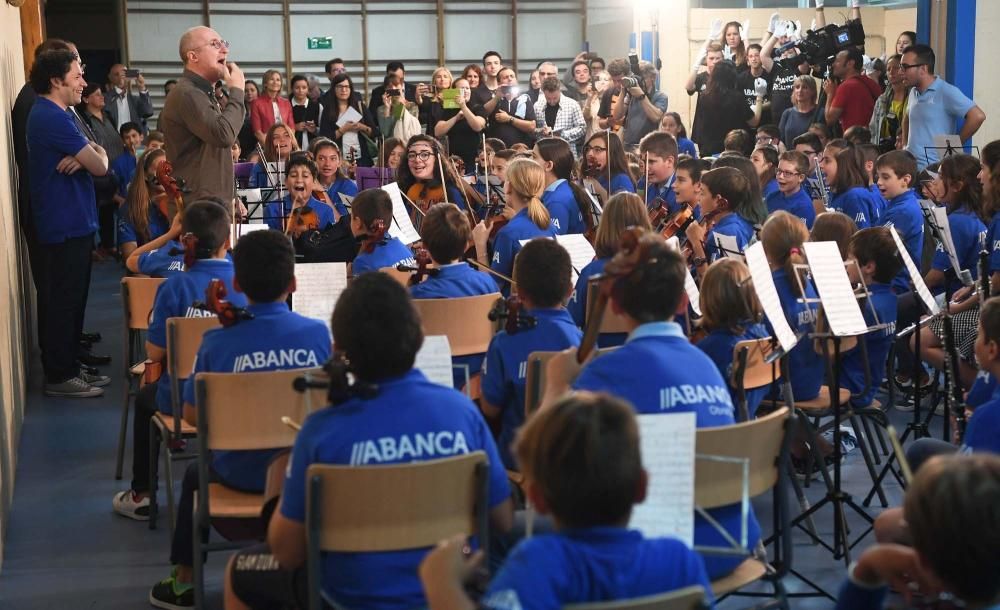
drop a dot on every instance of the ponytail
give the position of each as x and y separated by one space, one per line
783 235
538 213
526 178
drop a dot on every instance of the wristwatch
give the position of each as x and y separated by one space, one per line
698 261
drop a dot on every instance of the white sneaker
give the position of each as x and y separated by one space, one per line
74 387
97 381
127 504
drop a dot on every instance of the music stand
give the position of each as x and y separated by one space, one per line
373 177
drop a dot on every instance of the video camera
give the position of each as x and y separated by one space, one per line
820 46
635 78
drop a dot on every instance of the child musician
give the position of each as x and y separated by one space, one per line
371 216
793 168
542 272
524 185
895 172
163 256
205 227
645 372
849 184
300 181
604 160
330 174
377 331
264 265
730 314
588 483
765 160
567 203
139 218
726 200
658 150
687 184
419 175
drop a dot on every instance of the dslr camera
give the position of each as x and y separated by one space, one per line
820 46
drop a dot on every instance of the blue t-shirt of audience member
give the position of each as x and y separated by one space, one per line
409 420
967 233
559 199
274 339
719 345
877 343
389 253
798 203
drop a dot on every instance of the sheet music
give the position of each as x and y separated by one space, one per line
667 443
915 277
767 293
347 200
727 246
581 253
350 116
402 226
939 216
249 195
318 286
434 360
945 141
235 233
690 286
839 303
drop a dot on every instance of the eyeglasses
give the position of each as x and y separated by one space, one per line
218 45
784 174
905 67
594 149
423 155
765 139
343 87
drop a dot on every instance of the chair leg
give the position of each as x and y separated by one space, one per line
168 483
123 429
198 559
153 474
803 501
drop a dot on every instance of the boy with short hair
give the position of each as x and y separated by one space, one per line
659 151
542 271
124 164
275 338
369 207
894 173
401 417
792 171
300 181
879 262
588 482
155 139
207 223
498 167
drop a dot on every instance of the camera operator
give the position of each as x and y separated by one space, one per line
850 95
642 107
511 116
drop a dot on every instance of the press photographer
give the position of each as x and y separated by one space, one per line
642 106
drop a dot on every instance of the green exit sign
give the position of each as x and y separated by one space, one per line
320 42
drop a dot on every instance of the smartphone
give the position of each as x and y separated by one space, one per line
132 72
394 92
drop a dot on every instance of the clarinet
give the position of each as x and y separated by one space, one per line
824 193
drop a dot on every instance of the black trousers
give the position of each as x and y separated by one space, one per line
106 222
63 288
145 407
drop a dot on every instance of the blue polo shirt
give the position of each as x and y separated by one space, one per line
807 368
345 186
967 233
592 565
175 298
508 243
798 203
558 197
665 192
770 188
276 212
506 368
992 244
158 225
983 389
733 225
903 212
409 420
686 147
160 262
63 205
619 183
879 199
124 167
451 281
577 304
936 111
388 253
275 339
719 345
645 372
877 343
982 434
858 203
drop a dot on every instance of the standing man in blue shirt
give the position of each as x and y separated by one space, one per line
934 107
62 163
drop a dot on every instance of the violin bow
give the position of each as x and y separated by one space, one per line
607 161
488 269
410 201
444 185
645 189
486 169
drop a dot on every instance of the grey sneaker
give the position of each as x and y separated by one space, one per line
74 387
98 381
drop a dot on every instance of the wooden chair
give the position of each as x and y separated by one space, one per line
751 370
763 442
403 277
357 509
183 340
138 294
611 322
238 412
688 598
534 382
465 321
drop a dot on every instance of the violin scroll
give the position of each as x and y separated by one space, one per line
423 268
173 200
215 299
509 311
376 234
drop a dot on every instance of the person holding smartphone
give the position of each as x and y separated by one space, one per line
124 106
511 115
461 125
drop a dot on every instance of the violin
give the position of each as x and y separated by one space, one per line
376 234
171 201
301 220
510 311
424 195
678 223
707 221
423 268
636 249
215 301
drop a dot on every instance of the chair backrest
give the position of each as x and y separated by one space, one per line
761 441
534 382
757 372
403 277
465 320
242 411
688 598
612 322
396 506
183 340
138 294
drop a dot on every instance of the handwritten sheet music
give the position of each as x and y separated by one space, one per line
690 287
839 303
767 293
235 233
434 360
667 443
917 279
581 253
938 215
402 227
728 246
318 286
